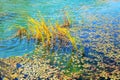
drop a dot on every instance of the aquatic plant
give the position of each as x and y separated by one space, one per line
47 34
65 32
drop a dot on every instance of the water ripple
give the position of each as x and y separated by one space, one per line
15 47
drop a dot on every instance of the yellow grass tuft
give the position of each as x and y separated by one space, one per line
45 34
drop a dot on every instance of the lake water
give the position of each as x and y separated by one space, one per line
92 13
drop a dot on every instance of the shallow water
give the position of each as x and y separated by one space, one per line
15 47
85 13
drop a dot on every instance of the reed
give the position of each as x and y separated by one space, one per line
46 34
65 32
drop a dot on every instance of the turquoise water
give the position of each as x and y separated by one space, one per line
83 12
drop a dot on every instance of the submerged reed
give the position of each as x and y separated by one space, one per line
47 34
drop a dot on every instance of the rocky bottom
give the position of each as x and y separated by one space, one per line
37 68
21 68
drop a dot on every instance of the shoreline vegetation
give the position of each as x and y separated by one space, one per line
46 63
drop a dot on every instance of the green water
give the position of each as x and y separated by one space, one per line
14 12
82 12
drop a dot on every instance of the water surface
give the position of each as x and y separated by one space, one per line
84 13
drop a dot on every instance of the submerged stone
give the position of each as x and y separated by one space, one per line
16 79
25 76
18 65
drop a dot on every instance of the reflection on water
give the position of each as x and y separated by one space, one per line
94 14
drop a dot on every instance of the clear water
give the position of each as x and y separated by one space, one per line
15 12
